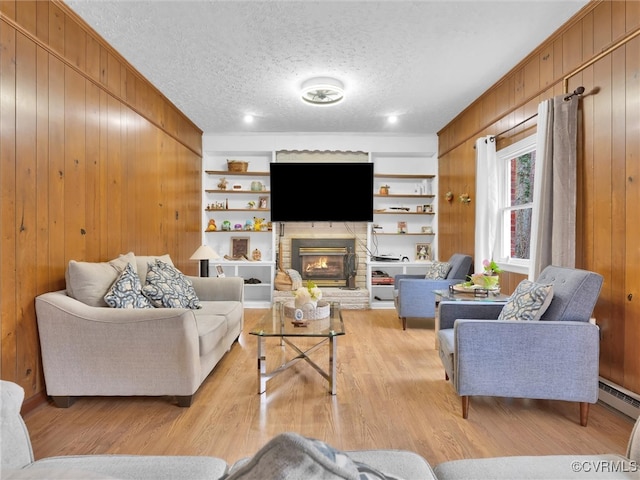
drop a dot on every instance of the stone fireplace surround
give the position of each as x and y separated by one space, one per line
302 230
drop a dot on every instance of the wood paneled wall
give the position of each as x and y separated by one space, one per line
599 48
94 162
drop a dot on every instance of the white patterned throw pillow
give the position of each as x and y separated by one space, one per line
167 287
126 291
438 270
528 302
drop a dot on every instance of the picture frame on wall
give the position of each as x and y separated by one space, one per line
423 252
239 247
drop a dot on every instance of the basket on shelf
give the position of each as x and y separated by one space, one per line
237 165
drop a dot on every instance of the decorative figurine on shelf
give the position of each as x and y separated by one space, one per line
248 225
211 227
226 226
222 185
237 226
257 223
256 255
251 204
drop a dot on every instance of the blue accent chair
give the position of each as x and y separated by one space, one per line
413 294
555 358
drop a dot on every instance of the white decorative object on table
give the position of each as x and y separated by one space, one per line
308 295
322 310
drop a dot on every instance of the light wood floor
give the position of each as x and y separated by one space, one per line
391 394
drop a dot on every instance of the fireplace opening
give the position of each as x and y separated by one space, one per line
324 261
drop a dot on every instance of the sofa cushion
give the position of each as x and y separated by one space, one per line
168 287
528 302
126 291
291 456
88 282
437 270
140 467
211 330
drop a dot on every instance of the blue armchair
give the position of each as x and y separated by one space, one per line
555 358
413 294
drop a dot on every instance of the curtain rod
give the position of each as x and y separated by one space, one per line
577 92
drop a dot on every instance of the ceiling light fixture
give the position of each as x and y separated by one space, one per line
322 91
392 119
248 119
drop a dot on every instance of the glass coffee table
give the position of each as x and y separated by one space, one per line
276 323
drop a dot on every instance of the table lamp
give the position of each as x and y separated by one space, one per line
204 253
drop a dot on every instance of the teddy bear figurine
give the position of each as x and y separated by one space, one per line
211 227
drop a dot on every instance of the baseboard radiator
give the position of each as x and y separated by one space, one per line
619 398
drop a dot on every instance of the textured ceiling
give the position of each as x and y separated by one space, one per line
424 61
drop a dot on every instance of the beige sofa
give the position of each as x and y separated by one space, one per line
91 349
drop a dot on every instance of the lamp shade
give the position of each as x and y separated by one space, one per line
204 252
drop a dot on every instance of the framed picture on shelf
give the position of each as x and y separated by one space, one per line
239 246
402 227
423 252
263 202
219 271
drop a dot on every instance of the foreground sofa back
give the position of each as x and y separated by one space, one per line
291 460
17 460
97 350
552 467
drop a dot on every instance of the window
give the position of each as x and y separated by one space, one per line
517 167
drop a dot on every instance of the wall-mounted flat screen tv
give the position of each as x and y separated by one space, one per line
321 192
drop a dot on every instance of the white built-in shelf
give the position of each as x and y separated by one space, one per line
236 210
403 212
239 191
402 176
401 195
228 173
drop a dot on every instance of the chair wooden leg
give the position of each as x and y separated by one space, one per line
404 323
465 406
446 376
584 413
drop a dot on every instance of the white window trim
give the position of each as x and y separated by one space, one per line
508 264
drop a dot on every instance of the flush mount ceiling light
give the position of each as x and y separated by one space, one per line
322 91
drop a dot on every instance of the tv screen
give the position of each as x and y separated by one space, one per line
321 192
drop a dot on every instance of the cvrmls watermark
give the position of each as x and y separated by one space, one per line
605 466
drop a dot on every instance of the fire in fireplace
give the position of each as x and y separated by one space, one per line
324 261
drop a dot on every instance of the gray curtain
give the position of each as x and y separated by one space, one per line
553 228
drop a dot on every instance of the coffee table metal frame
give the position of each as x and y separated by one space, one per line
276 324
